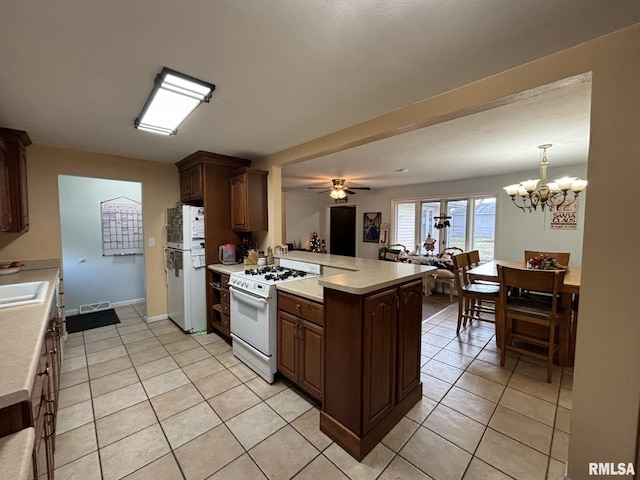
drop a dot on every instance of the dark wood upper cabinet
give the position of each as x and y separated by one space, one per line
14 215
192 183
204 182
249 200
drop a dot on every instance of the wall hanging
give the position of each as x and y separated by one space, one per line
121 227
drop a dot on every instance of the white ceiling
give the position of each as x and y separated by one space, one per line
499 140
77 73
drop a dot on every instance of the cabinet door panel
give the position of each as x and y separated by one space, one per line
238 202
288 346
409 334
380 325
311 359
196 180
13 192
185 188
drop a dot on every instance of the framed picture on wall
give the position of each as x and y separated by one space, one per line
371 227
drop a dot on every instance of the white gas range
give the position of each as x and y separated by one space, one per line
254 329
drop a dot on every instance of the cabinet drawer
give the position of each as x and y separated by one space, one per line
225 323
224 296
225 309
224 281
301 307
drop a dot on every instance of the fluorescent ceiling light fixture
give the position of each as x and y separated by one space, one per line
173 98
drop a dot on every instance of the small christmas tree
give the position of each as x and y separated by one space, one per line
314 243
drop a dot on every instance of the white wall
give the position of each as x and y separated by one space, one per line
304 214
88 276
516 231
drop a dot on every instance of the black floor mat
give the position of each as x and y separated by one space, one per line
87 321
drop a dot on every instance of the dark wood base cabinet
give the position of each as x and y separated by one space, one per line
371 363
41 409
300 335
218 318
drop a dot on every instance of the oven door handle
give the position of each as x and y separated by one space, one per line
247 297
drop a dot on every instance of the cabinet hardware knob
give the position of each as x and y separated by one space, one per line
298 306
44 372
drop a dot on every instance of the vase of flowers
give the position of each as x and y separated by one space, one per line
543 262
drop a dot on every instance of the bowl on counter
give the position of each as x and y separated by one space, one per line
7 268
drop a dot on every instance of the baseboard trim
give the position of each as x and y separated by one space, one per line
156 318
124 303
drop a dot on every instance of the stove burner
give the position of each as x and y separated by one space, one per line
273 273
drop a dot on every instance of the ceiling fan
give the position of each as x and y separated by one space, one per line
338 191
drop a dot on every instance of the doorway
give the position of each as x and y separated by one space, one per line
98 271
342 230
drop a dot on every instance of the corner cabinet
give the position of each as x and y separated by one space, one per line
371 363
249 200
300 332
14 215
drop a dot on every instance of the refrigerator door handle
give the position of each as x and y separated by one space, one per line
165 259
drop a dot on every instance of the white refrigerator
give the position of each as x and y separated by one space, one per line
185 267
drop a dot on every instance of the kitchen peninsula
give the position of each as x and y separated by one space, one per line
371 346
370 331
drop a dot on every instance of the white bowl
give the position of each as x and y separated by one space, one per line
8 271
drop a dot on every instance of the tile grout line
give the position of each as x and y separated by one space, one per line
322 452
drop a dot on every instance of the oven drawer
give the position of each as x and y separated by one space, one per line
301 307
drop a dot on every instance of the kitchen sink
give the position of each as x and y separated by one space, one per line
18 294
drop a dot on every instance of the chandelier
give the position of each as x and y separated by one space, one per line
562 192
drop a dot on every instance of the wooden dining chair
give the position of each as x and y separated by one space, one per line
483 306
471 294
531 323
561 257
473 257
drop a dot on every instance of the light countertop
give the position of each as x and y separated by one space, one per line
15 454
229 269
23 329
358 275
348 274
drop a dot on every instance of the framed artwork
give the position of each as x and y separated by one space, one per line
371 227
565 217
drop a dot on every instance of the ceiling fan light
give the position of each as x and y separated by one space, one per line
335 194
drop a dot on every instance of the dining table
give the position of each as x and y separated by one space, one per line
569 291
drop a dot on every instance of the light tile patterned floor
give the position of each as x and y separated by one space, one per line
146 401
